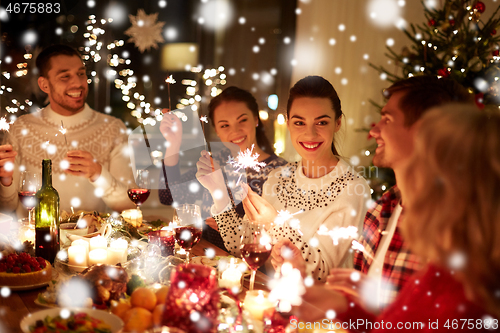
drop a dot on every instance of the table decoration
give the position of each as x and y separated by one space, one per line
133 216
98 242
98 256
165 239
256 302
26 231
192 301
117 251
78 255
231 277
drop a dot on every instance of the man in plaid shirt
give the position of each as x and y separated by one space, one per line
387 263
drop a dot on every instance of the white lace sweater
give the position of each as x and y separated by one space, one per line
337 199
37 136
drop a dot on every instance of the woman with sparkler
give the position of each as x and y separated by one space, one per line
451 191
321 190
234 114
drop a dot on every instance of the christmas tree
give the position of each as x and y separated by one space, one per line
455 42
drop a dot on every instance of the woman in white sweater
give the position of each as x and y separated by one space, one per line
322 189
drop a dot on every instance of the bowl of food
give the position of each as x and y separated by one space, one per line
76 319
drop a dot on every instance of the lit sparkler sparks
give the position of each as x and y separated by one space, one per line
359 247
339 233
170 80
204 119
246 159
285 215
288 289
4 124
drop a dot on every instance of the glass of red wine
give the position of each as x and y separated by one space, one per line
256 246
188 233
29 184
139 192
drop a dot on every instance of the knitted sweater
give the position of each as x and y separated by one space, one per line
37 136
337 199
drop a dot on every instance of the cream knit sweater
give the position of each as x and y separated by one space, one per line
37 136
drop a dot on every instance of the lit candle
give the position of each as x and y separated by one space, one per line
117 251
27 233
98 242
231 277
133 216
77 255
256 302
98 256
82 242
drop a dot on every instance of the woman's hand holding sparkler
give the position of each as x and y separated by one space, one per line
257 209
286 251
210 176
171 129
7 157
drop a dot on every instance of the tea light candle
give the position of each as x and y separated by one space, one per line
98 256
133 216
256 302
117 251
82 242
77 255
27 233
231 277
98 242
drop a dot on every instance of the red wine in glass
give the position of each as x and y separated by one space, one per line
187 237
255 255
27 199
138 195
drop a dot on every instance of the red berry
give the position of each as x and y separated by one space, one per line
432 22
16 270
452 22
493 32
495 53
43 264
40 259
3 267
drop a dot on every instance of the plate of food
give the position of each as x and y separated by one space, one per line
219 262
77 320
22 271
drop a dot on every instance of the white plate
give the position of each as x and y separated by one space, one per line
113 321
28 287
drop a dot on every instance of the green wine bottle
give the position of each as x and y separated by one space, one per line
47 216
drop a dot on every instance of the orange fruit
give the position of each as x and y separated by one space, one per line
158 315
119 308
137 320
161 295
144 298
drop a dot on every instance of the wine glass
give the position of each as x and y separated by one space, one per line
139 192
188 233
29 184
256 246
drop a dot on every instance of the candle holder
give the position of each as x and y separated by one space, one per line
165 239
193 298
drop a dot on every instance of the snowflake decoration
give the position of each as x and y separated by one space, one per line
170 80
204 119
246 159
4 125
338 233
145 31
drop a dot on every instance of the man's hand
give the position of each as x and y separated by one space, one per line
346 280
257 209
82 164
171 129
286 251
7 158
317 301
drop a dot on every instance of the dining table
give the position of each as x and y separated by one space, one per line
18 304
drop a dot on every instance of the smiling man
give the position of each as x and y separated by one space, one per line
387 260
90 165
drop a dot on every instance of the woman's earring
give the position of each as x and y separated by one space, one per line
257 125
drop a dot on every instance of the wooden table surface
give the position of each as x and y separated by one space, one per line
20 303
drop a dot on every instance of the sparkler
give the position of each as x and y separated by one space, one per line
63 132
246 159
338 233
4 125
169 80
204 119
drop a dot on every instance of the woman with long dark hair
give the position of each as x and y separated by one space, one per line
234 114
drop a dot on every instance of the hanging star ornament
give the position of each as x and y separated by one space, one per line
145 31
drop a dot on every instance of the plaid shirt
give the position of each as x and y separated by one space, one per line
399 262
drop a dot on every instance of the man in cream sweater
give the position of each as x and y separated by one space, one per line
92 169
